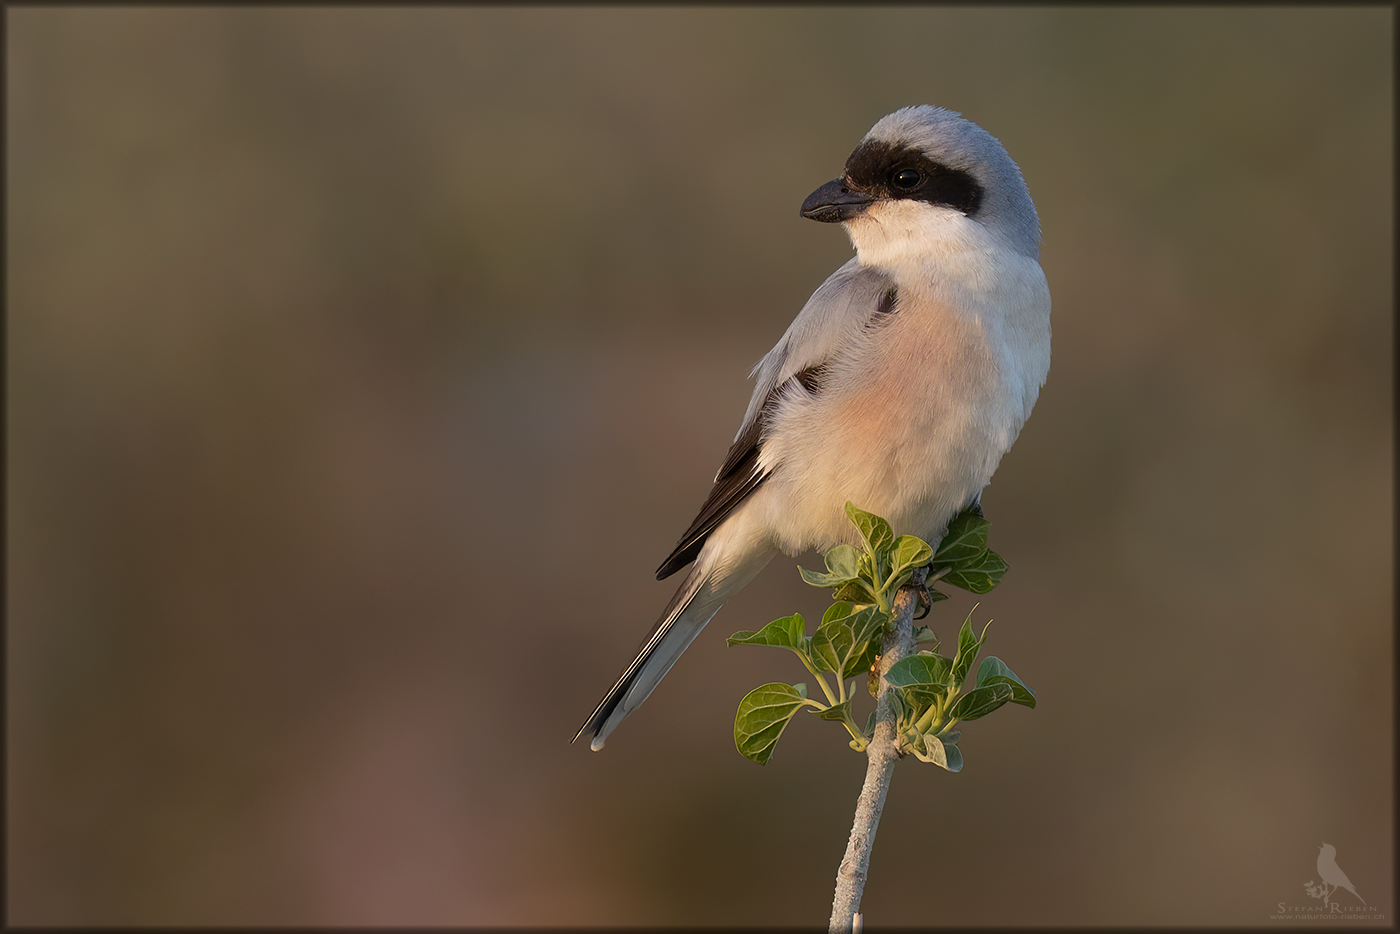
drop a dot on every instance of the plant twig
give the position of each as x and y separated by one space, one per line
883 753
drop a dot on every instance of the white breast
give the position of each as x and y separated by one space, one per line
916 411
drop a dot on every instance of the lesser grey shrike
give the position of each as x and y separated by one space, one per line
899 386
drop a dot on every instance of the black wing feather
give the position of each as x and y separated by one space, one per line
739 476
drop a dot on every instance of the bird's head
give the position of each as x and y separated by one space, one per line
921 175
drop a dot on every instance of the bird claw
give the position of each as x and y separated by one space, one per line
925 599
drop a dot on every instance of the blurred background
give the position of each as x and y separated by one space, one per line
362 365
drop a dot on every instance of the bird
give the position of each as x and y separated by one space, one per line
1331 873
898 386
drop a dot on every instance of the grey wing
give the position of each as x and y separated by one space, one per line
845 302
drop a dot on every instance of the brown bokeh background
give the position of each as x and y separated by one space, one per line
362 364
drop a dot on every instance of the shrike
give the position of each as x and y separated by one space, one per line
899 386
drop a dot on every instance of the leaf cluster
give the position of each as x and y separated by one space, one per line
963 558
845 644
864 581
931 699
873 573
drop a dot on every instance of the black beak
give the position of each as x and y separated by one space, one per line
835 201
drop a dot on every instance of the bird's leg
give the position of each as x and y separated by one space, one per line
925 600
921 588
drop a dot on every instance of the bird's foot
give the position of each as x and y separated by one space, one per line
925 599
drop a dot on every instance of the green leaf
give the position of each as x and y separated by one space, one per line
818 578
925 634
855 592
876 532
993 670
939 750
842 565
923 669
785 633
843 561
917 744
954 754
922 679
837 611
762 716
965 540
968 649
979 702
868 630
929 748
981 575
968 646
848 640
832 645
862 660
868 624
909 553
845 565
838 712
837 646
869 569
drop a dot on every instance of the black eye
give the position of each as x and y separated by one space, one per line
906 179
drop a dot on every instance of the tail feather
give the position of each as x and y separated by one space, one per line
705 589
679 625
